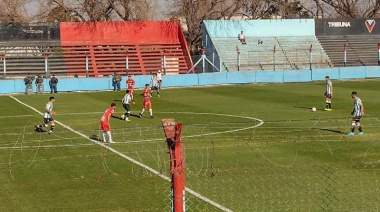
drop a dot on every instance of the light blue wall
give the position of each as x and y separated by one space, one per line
255 28
179 80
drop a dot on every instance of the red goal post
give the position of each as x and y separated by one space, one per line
172 132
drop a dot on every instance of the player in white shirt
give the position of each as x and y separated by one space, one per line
125 101
159 79
357 114
154 85
48 117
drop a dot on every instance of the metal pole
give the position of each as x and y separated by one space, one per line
126 62
378 53
164 62
310 56
274 58
4 66
238 58
344 54
213 61
46 64
86 64
203 60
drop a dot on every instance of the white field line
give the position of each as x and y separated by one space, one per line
217 205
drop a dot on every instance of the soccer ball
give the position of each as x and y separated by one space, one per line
313 109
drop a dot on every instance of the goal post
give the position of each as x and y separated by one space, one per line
172 132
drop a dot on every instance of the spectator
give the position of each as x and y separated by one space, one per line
53 84
241 37
39 84
116 81
28 80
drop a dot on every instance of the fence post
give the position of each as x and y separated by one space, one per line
173 139
344 54
46 64
4 65
311 56
164 61
86 64
213 60
238 57
126 62
378 53
274 57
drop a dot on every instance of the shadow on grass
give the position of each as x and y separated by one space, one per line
133 115
308 108
95 138
330 130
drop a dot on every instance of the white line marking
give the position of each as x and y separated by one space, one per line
130 159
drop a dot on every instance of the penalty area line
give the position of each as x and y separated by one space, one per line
198 195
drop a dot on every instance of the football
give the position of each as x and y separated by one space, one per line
313 109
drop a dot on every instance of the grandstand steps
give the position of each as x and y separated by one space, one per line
361 50
105 59
268 53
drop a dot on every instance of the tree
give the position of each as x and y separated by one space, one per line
350 8
94 10
13 11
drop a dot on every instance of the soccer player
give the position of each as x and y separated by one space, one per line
125 101
105 123
48 117
154 85
146 102
159 78
328 93
356 113
130 85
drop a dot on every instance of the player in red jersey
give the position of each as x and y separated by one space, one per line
105 123
130 85
146 102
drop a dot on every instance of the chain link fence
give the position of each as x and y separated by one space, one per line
235 165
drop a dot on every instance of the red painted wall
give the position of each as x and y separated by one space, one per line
118 32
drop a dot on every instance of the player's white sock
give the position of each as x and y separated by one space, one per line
104 137
142 111
109 136
150 112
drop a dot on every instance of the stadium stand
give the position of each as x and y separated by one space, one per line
106 46
270 44
361 50
366 48
334 46
267 53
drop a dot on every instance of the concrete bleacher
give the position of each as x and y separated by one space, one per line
365 47
297 51
361 50
272 44
269 53
99 51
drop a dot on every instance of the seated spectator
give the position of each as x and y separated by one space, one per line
241 37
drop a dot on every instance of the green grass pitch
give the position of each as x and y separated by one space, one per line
250 147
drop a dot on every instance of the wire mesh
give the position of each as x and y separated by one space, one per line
282 165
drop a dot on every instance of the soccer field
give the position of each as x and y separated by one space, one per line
250 147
